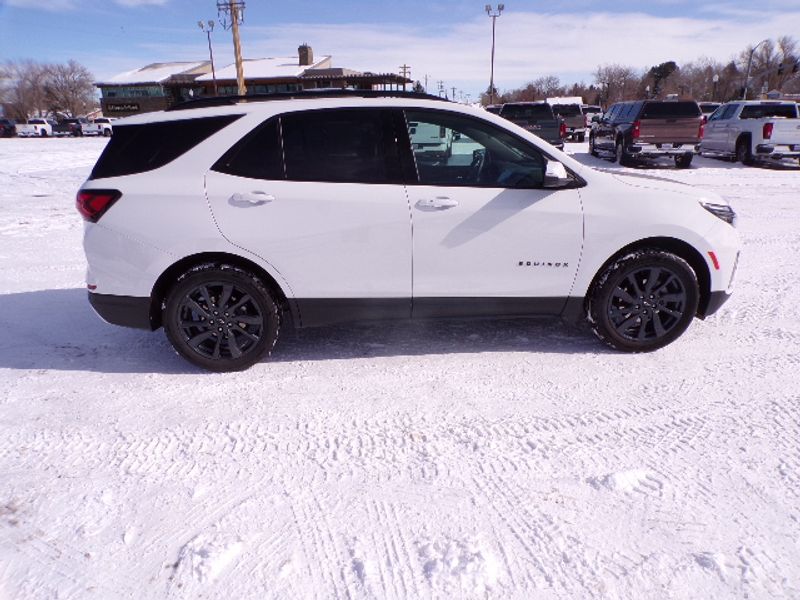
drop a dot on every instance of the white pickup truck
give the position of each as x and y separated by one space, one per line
35 128
753 130
100 126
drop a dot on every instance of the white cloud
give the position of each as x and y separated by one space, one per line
528 45
49 5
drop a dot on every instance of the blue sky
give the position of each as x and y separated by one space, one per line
449 40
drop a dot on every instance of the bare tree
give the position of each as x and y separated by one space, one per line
618 82
69 89
24 90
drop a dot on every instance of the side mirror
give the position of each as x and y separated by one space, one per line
555 175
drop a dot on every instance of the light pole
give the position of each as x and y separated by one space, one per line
207 29
493 14
714 79
750 64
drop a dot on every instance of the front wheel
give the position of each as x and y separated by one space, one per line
592 149
221 318
644 301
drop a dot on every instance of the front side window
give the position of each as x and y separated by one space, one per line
456 150
342 145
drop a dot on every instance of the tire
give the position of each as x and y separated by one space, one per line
106 133
42 133
199 298
630 314
592 149
622 157
581 137
683 161
743 154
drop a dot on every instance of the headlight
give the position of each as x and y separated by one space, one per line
723 211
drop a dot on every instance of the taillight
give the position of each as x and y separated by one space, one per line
93 204
767 130
563 130
636 129
701 132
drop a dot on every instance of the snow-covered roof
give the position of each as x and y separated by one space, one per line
156 72
268 68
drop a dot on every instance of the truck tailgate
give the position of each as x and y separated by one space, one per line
785 131
684 130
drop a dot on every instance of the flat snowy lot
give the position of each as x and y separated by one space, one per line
458 459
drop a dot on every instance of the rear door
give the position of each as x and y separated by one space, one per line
332 217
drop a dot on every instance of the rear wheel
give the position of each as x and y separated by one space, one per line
623 158
743 154
221 318
592 149
644 301
581 137
683 161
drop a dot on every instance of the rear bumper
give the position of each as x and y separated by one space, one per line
127 311
715 301
778 151
667 149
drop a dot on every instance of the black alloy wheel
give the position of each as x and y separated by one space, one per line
743 154
221 318
622 157
644 301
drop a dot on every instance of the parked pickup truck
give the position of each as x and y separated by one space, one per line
571 110
646 129
100 126
753 130
36 128
8 128
72 127
539 119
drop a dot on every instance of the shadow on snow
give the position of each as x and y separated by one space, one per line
57 329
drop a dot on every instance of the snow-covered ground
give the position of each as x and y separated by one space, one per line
457 459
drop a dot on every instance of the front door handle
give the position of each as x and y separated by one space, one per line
254 198
437 203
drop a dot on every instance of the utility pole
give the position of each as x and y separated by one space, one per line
750 64
493 14
426 83
440 85
405 71
231 15
208 31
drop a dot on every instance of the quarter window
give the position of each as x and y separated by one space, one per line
259 155
454 150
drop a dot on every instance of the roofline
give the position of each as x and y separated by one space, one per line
301 95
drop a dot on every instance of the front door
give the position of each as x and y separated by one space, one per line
488 238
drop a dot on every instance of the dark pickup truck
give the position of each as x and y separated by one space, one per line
539 119
70 127
646 129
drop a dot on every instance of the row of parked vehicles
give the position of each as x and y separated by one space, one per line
72 127
633 131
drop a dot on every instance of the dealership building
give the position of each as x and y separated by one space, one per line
160 85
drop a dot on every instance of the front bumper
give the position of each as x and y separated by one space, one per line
127 311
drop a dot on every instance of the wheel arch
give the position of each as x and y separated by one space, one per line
676 246
174 271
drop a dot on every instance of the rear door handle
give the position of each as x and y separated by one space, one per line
254 198
437 203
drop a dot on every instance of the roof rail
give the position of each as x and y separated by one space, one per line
304 94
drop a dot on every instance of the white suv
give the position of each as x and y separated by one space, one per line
223 220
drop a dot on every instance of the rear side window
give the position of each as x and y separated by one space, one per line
258 155
766 111
526 111
670 110
343 145
140 148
